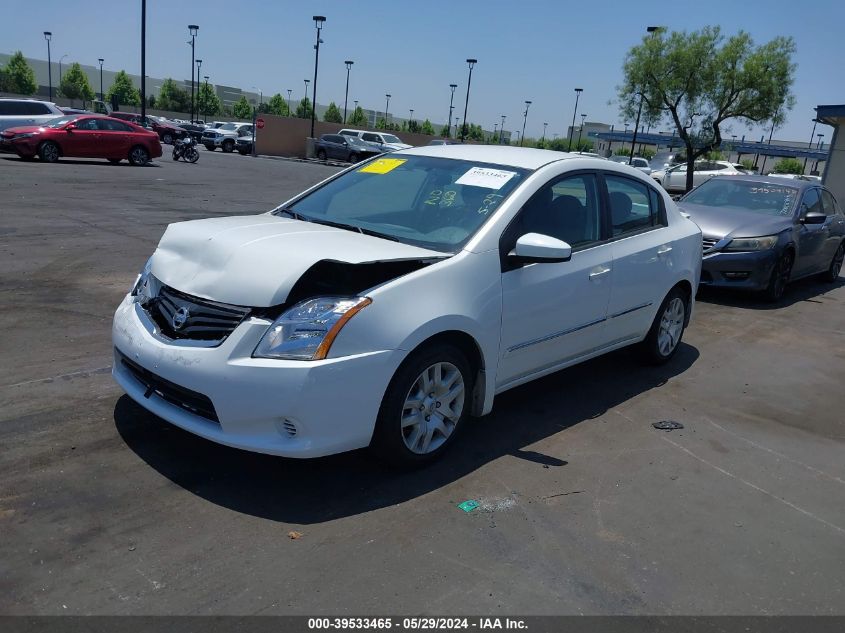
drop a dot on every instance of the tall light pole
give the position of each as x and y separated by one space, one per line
411 119
502 130
199 66
524 120
143 59
471 63
260 95
578 92
193 29
386 106
580 130
307 81
543 140
290 92
318 24
101 60
47 36
451 107
346 97
810 144
652 30
65 55
206 92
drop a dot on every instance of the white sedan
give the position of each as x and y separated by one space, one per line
387 304
674 179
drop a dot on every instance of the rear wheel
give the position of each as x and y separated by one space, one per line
139 156
780 277
167 138
321 154
667 329
228 145
175 154
48 152
353 158
425 405
832 273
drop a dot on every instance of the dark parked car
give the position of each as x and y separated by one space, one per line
244 145
167 132
342 147
83 136
760 233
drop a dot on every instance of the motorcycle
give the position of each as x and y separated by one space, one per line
186 149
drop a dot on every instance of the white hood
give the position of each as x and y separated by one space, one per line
255 260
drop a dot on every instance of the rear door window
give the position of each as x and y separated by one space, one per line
633 205
829 203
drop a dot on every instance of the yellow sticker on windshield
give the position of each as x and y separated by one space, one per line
382 165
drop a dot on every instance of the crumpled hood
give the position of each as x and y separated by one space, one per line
255 260
725 222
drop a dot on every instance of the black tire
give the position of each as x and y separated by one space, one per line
353 158
780 277
48 152
390 439
167 138
114 161
139 156
228 145
832 273
654 347
192 155
321 154
175 155
210 148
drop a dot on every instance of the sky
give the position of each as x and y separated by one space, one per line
527 50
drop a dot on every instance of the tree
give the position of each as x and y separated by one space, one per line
278 105
303 110
151 101
125 91
18 76
381 124
700 80
242 109
445 131
208 103
332 114
358 118
748 164
172 97
788 166
75 85
427 128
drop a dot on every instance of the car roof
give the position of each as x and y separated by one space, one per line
523 157
782 182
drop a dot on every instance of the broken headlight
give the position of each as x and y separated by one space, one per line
308 329
142 289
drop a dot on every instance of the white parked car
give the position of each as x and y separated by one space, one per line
674 179
21 112
226 136
637 162
385 141
385 305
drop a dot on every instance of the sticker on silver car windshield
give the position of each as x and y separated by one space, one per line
486 177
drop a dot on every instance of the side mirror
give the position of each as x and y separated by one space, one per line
537 248
70 127
813 217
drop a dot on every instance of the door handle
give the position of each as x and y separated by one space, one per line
603 270
664 249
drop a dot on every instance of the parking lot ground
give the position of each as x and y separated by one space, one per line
585 508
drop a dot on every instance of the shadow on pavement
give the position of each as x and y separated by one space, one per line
807 289
313 491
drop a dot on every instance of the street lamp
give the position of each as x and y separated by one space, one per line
580 129
65 55
207 104
543 140
318 24
524 120
578 92
451 107
502 130
809 145
652 30
260 95
290 92
471 63
307 81
517 136
411 120
386 105
101 60
47 36
346 97
193 29
143 59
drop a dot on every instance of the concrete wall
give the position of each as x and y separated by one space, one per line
834 171
285 136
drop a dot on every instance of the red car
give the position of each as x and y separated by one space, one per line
83 136
167 132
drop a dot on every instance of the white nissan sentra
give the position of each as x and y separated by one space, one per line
389 303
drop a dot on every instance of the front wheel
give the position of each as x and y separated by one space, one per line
193 155
139 156
425 405
175 155
228 146
48 152
321 154
667 329
780 277
832 273
167 138
353 158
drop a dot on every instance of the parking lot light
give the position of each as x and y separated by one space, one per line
543 140
318 24
502 130
193 29
580 130
471 63
524 120
48 36
101 60
386 106
578 92
451 107
307 81
290 92
348 63
205 115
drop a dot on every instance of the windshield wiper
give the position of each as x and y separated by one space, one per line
291 213
352 227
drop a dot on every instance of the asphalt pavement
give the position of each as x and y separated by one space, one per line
585 508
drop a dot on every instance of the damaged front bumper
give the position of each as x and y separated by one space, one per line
279 407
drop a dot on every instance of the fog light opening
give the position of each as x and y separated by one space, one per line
737 275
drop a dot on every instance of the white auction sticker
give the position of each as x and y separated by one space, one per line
485 177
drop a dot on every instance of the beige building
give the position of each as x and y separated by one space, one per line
834 170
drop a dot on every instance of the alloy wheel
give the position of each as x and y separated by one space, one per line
432 408
671 326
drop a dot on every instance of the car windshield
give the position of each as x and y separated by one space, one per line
759 197
60 121
389 138
435 203
228 126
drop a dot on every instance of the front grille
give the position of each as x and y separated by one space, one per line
187 399
707 243
198 319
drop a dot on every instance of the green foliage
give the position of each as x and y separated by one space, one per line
172 97
788 166
358 118
126 92
18 76
381 124
647 153
333 114
208 103
75 84
715 155
748 164
445 131
622 151
278 106
700 80
427 128
151 101
303 110
242 110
